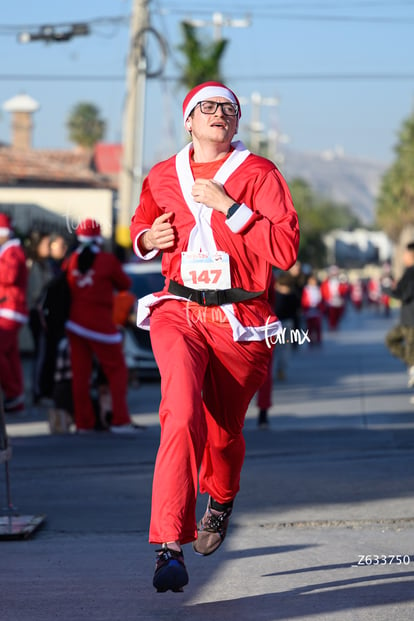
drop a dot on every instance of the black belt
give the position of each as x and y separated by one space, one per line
212 297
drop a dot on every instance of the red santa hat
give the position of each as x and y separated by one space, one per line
205 91
5 225
88 231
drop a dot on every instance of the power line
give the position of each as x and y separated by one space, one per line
13 28
243 78
336 18
257 14
324 4
291 4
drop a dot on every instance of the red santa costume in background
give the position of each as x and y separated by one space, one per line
92 331
333 294
356 294
374 291
312 306
13 314
212 359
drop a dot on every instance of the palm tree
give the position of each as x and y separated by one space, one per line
85 126
395 204
203 59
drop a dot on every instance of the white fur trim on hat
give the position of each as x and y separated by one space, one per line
4 232
89 239
205 93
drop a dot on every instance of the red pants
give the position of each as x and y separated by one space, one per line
207 383
264 394
334 316
111 359
314 328
11 374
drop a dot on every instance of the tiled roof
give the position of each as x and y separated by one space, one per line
50 167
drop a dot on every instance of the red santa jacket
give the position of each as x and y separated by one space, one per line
13 284
333 292
311 301
263 231
92 296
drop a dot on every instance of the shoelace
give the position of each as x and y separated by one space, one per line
214 522
165 554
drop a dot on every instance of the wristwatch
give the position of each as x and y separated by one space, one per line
232 210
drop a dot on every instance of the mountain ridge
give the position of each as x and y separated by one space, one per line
348 180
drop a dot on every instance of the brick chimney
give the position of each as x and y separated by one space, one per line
22 108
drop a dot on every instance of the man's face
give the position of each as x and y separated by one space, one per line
408 257
58 248
217 127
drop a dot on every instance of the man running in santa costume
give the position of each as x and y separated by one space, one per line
222 217
13 315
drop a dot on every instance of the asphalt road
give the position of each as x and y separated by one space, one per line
322 528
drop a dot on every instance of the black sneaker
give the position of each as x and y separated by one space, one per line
262 419
211 529
170 571
14 405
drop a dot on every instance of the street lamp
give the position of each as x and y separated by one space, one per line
54 34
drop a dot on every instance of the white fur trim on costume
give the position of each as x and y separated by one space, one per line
9 244
85 239
100 337
146 303
150 254
205 93
4 232
240 218
240 332
13 315
201 237
93 245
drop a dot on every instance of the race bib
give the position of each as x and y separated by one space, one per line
200 270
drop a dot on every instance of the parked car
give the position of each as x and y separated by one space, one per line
146 278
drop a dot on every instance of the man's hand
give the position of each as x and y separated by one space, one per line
212 194
161 234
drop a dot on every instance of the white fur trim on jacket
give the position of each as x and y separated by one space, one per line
13 315
100 337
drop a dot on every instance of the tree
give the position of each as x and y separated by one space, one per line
395 205
203 59
85 126
317 216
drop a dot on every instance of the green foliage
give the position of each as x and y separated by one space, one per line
395 205
317 216
85 126
202 59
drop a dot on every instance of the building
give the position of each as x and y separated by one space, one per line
358 248
55 189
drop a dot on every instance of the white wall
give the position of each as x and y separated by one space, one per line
67 206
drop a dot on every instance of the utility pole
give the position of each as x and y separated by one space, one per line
218 22
275 139
131 175
256 126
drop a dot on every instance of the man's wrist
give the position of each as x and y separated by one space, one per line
144 245
148 245
232 210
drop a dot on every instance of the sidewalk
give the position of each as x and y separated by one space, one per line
323 526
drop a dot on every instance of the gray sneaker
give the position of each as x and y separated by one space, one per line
211 529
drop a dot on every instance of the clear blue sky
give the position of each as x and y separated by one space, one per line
281 54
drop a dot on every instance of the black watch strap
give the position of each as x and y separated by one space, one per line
232 210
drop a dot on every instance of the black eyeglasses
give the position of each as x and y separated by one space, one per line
210 107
